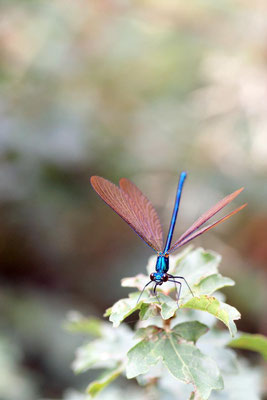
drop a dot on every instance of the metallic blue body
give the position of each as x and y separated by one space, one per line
157 277
162 265
175 212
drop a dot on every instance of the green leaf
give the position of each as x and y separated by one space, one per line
162 303
146 311
123 308
183 360
200 268
105 379
137 281
197 265
214 345
168 306
191 330
108 312
144 333
194 265
88 356
148 307
76 322
241 379
227 314
211 284
105 352
251 342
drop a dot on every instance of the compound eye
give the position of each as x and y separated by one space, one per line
165 277
152 277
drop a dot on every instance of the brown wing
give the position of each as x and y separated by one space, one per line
204 229
125 207
204 218
149 217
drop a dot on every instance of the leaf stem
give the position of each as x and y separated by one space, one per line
167 324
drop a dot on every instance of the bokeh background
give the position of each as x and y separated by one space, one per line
140 89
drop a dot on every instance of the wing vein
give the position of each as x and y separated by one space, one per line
133 207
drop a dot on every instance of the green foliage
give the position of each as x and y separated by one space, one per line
170 343
224 312
109 351
182 358
251 342
77 323
200 268
105 379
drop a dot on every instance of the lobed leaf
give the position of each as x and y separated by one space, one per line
168 306
146 311
183 360
123 308
224 312
191 330
200 268
197 265
194 265
149 307
211 284
214 344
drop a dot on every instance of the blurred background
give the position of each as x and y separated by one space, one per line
119 88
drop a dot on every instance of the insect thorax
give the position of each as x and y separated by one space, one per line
162 264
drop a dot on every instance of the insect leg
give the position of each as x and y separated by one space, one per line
140 295
155 293
181 277
178 292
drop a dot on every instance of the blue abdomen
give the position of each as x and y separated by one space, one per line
162 265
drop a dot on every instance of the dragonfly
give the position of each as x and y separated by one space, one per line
134 208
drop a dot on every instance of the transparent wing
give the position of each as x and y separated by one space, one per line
125 206
204 218
149 217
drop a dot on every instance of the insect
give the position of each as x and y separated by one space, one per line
135 209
